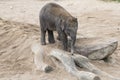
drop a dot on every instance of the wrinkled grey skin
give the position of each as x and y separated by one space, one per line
53 17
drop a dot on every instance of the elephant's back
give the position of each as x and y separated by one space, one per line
53 11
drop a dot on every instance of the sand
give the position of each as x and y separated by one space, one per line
19 28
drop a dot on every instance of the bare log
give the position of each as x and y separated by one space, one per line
38 58
84 62
95 48
69 65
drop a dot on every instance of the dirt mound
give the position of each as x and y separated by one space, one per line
16 38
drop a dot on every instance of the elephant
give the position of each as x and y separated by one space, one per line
54 17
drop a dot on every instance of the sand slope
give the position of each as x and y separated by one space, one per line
96 19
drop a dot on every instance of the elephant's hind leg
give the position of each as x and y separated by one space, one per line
51 37
43 42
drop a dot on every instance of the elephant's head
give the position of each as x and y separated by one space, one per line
70 28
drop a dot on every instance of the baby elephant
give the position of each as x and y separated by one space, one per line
53 17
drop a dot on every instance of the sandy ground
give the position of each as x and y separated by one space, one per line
96 19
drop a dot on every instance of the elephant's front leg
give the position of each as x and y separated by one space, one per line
58 37
64 40
63 37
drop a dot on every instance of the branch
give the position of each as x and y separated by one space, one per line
38 58
84 62
70 66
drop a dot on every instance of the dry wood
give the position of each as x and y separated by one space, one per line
95 49
84 62
70 61
38 58
70 66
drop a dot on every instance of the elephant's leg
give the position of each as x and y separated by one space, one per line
58 37
43 32
51 37
64 40
63 37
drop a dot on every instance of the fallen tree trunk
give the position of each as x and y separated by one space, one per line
69 65
82 61
70 61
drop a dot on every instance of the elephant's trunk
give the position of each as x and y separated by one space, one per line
73 40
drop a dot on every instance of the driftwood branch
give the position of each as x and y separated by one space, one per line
70 66
38 58
84 62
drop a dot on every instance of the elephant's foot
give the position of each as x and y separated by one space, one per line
43 43
51 41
